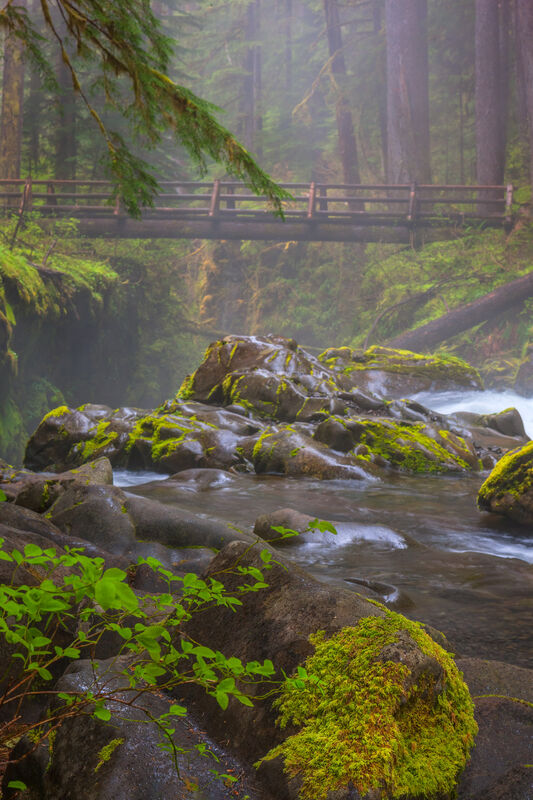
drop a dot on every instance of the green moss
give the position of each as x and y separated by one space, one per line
186 390
107 751
406 446
60 411
389 359
165 433
362 723
512 475
94 447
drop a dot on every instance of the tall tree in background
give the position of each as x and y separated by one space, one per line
524 34
347 141
65 132
407 91
490 109
12 106
252 84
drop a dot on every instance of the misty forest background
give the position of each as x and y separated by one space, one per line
352 91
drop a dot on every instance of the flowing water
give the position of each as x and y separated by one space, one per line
419 541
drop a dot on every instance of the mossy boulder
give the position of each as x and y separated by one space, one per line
375 707
192 436
38 491
399 373
270 376
509 488
287 451
402 444
68 437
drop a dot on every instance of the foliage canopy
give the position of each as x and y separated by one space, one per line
126 42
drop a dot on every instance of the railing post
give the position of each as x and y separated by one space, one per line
312 201
52 200
411 213
215 200
509 205
230 203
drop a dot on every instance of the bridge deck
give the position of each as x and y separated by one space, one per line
227 210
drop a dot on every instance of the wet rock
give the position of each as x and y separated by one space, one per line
287 452
175 527
406 445
122 760
509 488
38 491
509 422
96 514
500 766
399 373
68 438
496 678
479 427
284 518
275 623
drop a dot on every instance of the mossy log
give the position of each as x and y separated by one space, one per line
461 319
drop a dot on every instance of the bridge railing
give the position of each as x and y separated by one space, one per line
360 204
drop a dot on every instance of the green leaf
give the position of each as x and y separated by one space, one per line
32 550
102 713
226 685
177 711
16 785
222 700
104 593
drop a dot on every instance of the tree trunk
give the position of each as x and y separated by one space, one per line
377 15
251 96
407 92
12 107
346 135
524 29
461 319
489 112
65 134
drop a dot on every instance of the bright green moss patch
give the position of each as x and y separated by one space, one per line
165 433
440 366
407 447
60 411
363 722
54 297
99 443
512 476
107 751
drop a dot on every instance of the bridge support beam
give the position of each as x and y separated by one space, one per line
277 231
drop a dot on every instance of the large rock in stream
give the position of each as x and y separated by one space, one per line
509 488
319 418
388 711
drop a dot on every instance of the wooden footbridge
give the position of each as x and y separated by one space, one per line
227 210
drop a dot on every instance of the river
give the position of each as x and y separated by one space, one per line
418 539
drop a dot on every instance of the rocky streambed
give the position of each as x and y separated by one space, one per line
264 436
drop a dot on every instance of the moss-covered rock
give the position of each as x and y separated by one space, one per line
379 703
405 445
380 707
287 451
509 488
399 373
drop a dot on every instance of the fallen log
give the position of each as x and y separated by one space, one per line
461 319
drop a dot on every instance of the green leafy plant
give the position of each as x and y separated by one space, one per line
74 602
